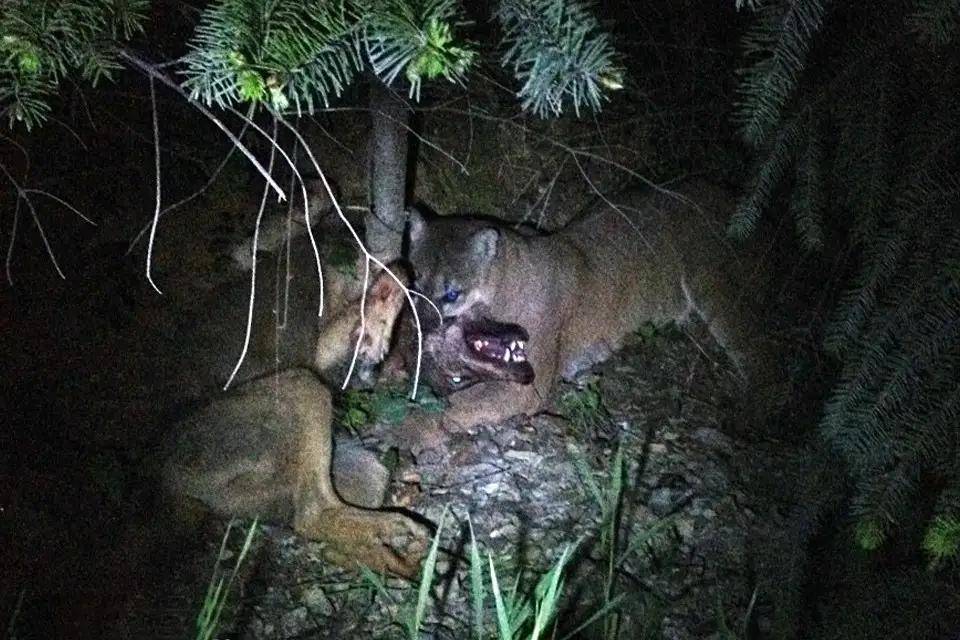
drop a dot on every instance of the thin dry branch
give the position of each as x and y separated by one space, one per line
41 192
253 261
153 70
156 211
196 194
420 137
13 239
363 322
303 191
24 195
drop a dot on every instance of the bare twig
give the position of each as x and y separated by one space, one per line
253 262
303 190
23 195
176 205
13 239
20 147
83 101
610 204
363 321
333 138
156 211
420 137
70 130
289 242
152 71
41 192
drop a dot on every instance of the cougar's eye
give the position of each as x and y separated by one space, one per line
456 379
450 294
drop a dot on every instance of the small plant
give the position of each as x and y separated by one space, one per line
723 629
869 535
584 408
650 331
218 589
518 615
942 540
384 404
415 620
613 548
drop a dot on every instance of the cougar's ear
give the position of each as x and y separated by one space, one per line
485 244
416 226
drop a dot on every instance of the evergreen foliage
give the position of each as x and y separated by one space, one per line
287 53
884 88
279 52
777 47
41 41
416 38
557 50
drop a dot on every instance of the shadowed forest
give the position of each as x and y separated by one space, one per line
508 319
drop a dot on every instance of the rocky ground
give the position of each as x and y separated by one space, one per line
697 503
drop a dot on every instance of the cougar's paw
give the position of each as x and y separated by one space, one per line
383 541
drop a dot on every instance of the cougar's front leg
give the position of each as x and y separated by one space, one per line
381 540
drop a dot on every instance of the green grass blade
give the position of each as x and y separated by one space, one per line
477 594
375 581
648 535
601 613
548 592
426 581
503 623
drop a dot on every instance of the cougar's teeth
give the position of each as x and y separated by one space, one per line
513 345
506 355
486 342
519 357
478 344
522 344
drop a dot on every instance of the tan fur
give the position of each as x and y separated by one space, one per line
265 450
581 290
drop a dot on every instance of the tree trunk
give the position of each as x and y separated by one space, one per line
387 172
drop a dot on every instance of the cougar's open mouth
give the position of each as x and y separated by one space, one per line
475 349
497 342
497 350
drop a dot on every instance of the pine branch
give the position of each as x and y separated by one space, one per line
415 38
936 22
44 40
281 52
806 202
778 42
882 501
557 49
767 177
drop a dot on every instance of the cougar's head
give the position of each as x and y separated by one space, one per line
467 350
453 259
